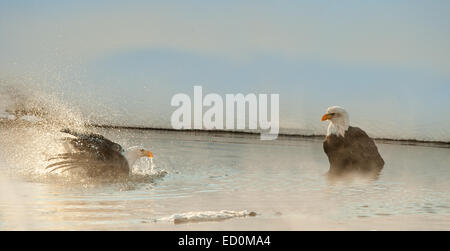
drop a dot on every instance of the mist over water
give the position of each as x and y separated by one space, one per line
72 65
281 181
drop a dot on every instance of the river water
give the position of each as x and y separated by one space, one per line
275 185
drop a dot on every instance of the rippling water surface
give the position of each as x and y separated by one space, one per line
283 181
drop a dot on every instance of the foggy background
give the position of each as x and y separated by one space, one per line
120 62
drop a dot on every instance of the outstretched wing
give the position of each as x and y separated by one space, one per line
92 152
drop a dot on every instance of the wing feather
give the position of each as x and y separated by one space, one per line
94 153
363 147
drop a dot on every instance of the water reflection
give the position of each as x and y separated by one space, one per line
284 182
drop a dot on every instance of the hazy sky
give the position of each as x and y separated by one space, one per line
386 62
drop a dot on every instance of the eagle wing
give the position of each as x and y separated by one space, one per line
363 148
91 152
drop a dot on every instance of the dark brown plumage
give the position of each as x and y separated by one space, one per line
355 152
98 156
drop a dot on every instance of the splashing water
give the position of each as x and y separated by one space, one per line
145 169
30 131
30 124
206 216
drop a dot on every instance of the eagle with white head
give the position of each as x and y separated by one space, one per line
349 148
98 156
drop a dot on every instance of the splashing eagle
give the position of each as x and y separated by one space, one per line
349 149
98 156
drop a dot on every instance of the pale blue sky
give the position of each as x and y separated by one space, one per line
387 62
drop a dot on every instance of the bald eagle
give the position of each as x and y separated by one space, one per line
349 149
98 156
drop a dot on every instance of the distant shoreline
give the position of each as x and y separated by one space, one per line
284 136
413 142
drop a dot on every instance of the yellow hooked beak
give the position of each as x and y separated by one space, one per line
326 117
148 154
